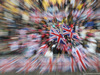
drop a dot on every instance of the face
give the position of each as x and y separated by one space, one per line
44 28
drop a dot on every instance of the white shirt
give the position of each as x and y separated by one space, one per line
14 45
49 54
83 33
92 46
73 2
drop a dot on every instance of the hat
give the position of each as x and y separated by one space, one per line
90 34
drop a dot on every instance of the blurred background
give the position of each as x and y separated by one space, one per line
25 24
35 16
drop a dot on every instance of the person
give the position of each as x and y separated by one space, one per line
45 4
92 45
49 53
80 5
25 30
90 23
50 9
45 38
98 47
65 4
14 44
40 3
70 19
70 8
55 9
73 2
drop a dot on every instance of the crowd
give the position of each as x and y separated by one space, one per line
78 17
64 27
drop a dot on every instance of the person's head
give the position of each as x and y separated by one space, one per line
65 36
90 20
75 8
48 43
27 25
43 28
69 39
64 18
81 24
47 36
51 5
65 21
70 14
54 20
63 52
54 42
36 26
70 5
83 21
43 22
50 48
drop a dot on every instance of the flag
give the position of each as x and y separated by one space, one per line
24 66
35 17
63 64
32 36
43 49
88 12
55 35
82 49
69 32
60 63
52 36
33 65
77 14
91 62
76 36
73 66
94 63
19 63
14 45
47 65
29 65
80 59
66 29
8 65
49 16
58 16
63 47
